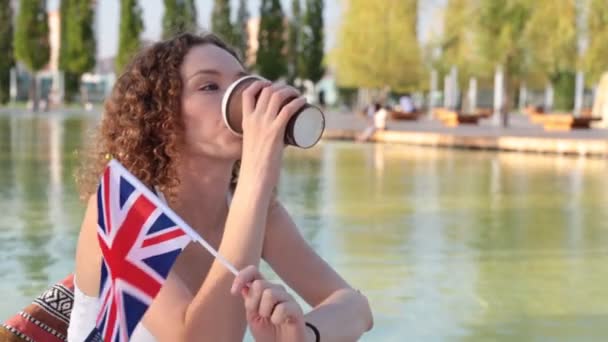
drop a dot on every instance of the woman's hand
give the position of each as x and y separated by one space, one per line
272 314
264 122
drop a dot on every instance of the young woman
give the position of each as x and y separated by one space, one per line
163 123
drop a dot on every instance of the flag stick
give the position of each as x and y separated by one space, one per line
175 218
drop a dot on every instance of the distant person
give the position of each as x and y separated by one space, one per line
322 98
377 122
407 104
380 118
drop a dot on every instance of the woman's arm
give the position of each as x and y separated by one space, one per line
214 313
339 312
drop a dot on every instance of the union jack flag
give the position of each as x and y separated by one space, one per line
139 240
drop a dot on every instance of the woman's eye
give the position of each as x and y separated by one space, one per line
209 87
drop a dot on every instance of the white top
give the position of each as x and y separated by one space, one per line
84 314
85 310
406 104
380 119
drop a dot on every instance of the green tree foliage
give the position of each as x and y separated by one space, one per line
294 43
564 83
457 43
220 21
271 60
70 79
78 45
179 16
6 46
500 42
191 18
131 26
500 30
32 35
312 41
241 33
595 61
550 36
378 46
551 45
32 41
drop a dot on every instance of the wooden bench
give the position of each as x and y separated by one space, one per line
537 118
560 121
564 122
484 113
535 113
399 115
452 118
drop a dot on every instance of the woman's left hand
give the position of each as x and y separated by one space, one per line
272 314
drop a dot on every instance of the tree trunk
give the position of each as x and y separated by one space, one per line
507 100
84 94
505 114
549 98
472 96
71 86
498 101
34 92
579 93
522 99
432 92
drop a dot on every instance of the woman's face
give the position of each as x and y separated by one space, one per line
206 72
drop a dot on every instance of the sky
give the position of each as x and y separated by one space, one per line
108 15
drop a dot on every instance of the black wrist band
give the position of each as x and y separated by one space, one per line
315 330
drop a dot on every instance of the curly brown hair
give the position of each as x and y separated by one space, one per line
141 126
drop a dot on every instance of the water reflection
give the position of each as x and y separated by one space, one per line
32 182
449 245
301 182
36 236
467 245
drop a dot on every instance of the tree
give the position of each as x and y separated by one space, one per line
550 38
595 62
32 41
500 42
271 59
457 42
78 46
190 15
294 43
179 16
70 80
241 32
313 42
6 45
131 26
378 46
220 21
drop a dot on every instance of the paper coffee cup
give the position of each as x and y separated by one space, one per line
303 130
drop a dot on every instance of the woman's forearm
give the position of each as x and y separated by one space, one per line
214 310
343 316
243 237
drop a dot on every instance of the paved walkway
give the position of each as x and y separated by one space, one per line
520 136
